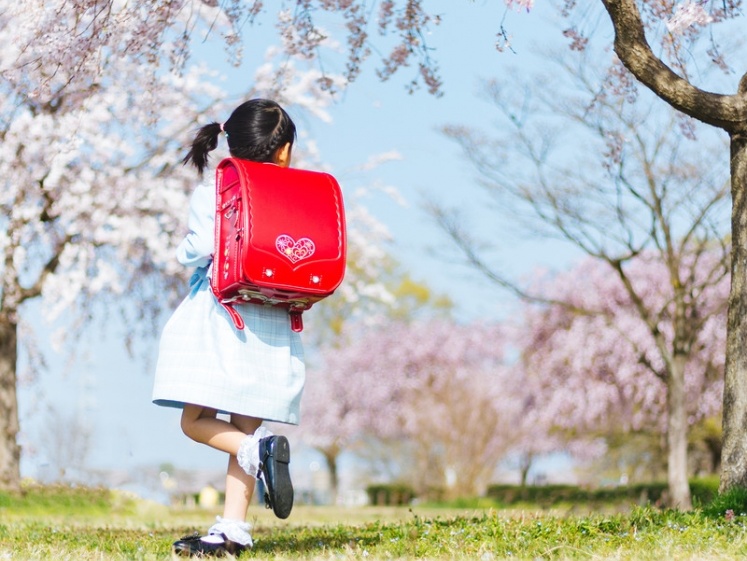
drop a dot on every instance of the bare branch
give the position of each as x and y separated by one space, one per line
727 112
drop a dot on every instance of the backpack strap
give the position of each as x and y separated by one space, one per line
238 321
296 320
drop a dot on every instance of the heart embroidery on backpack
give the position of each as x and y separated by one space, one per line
294 250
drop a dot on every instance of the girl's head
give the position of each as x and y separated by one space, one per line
258 130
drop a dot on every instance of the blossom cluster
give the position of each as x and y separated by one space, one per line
94 126
440 387
687 15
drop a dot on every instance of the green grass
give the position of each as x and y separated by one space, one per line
77 524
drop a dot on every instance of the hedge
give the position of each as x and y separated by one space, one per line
393 494
703 490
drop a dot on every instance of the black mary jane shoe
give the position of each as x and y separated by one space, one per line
195 546
274 454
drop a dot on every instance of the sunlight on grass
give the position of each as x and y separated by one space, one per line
78 524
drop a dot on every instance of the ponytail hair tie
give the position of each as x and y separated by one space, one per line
221 128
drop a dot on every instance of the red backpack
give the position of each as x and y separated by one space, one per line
280 237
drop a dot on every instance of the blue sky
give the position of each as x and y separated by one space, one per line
112 391
375 117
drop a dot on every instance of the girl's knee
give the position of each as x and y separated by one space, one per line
187 424
191 416
245 424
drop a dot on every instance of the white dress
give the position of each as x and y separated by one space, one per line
204 360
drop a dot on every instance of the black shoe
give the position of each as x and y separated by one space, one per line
274 457
195 546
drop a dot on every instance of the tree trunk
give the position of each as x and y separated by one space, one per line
334 478
10 451
734 452
679 487
525 464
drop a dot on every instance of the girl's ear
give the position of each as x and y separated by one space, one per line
282 155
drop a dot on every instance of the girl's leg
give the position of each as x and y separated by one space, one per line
202 425
239 484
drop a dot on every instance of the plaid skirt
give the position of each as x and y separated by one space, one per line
204 360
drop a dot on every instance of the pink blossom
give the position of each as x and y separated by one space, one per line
439 388
519 5
602 369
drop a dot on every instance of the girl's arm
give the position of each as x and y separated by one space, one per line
196 249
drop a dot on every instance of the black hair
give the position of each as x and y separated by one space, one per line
255 130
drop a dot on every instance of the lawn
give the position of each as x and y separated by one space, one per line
78 524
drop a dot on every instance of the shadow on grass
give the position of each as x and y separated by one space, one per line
305 540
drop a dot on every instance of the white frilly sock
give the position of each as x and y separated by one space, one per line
234 530
248 455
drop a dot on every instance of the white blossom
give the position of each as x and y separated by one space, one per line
686 15
94 197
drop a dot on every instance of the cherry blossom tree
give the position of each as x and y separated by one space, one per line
99 100
84 211
73 35
438 386
91 200
677 84
64 46
673 71
598 367
614 179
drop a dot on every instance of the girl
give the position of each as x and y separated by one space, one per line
206 366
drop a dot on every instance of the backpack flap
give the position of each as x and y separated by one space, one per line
296 234
280 236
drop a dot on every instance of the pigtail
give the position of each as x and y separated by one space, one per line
205 141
